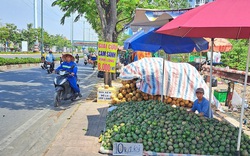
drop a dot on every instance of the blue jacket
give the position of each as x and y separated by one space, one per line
50 58
69 67
202 107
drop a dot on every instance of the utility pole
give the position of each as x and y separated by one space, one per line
89 34
35 25
35 14
42 27
83 30
72 20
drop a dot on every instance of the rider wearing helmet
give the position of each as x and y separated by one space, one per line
50 59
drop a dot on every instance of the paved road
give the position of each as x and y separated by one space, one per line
28 120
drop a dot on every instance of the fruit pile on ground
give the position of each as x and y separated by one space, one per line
162 128
128 92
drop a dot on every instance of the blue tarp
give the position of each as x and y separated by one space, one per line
152 42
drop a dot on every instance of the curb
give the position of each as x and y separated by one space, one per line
18 66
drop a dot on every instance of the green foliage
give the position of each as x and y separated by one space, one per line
27 52
125 12
4 34
122 38
179 58
9 61
11 34
16 60
91 50
14 34
30 35
237 57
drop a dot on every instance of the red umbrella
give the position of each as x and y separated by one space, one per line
218 19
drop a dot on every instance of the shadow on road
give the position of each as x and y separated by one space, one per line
33 89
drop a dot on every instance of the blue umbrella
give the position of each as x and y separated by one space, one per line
132 38
151 41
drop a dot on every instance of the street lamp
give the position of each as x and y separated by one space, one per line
42 28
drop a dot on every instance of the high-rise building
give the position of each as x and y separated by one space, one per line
195 3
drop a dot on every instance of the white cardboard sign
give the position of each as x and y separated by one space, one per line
104 95
135 149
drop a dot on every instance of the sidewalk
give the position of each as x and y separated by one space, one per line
80 134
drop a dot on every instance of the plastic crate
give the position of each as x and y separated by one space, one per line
221 95
191 58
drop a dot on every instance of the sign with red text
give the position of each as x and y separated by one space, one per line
107 55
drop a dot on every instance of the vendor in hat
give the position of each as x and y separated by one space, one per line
70 66
201 104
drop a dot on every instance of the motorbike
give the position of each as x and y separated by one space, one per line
48 66
85 62
63 91
94 64
77 60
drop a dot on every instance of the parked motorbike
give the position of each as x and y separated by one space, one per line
63 91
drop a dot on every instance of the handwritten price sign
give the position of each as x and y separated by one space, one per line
107 55
135 149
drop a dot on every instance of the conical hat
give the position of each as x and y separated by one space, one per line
68 55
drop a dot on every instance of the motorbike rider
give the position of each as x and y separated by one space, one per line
70 66
43 60
94 59
50 58
77 57
85 57
61 59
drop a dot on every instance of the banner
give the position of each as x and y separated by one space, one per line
107 55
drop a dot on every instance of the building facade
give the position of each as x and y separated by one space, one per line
195 3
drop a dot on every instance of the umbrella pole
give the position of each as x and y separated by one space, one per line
210 82
200 61
243 100
163 77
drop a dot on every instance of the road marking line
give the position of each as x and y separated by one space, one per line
90 75
11 137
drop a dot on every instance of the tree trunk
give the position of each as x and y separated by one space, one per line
108 16
107 75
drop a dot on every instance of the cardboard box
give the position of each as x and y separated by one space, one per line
104 95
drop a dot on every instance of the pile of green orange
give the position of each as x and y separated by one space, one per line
162 128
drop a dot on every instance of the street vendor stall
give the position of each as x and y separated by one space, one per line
151 41
180 80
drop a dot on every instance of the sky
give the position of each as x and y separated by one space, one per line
21 13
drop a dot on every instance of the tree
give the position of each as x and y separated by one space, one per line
178 4
60 42
14 35
30 35
122 38
237 57
4 34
